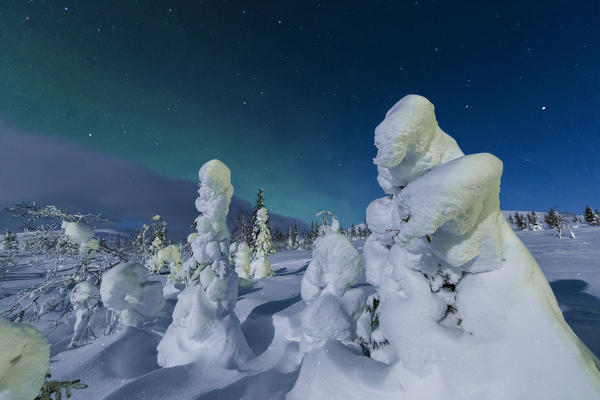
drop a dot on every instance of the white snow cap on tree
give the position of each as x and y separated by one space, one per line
466 309
333 307
205 327
410 143
261 266
24 361
126 290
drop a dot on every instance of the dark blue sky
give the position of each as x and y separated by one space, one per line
288 94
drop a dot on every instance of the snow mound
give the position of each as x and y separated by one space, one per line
332 308
24 361
126 290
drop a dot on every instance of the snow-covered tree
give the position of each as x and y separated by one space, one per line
591 217
332 307
511 220
166 259
520 222
66 239
455 284
261 266
242 260
261 233
205 328
10 241
552 218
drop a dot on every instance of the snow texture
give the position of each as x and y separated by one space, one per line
24 361
125 289
205 328
166 259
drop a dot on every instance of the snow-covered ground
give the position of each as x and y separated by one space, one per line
123 365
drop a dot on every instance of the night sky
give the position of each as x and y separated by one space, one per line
288 93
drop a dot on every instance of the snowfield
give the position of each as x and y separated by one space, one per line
441 301
124 365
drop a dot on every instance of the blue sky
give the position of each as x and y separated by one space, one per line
288 94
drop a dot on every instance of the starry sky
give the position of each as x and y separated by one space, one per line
288 93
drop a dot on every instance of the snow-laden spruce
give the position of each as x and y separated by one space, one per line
261 266
466 310
126 290
205 328
332 307
24 361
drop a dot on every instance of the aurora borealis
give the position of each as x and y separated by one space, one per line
288 93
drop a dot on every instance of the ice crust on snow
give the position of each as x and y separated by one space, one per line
125 289
205 327
465 307
24 361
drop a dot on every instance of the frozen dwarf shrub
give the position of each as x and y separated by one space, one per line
260 267
85 298
126 291
332 307
242 260
166 259
205 327
24 361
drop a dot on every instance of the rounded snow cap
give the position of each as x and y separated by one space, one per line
24 361
410 143
217 175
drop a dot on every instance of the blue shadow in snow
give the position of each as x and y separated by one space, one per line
582 311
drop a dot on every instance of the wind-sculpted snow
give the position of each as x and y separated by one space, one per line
205 327
24 361
465 311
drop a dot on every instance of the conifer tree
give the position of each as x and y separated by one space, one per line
552 218
591 217
295 236
511 220
261 266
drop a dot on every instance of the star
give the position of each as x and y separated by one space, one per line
543 108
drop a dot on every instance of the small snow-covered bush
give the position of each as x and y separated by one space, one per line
125 290
242 260
24 361
333 307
